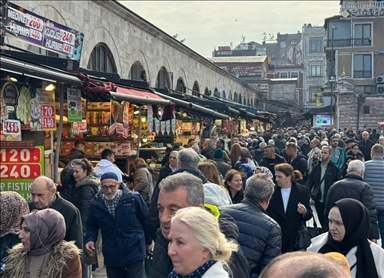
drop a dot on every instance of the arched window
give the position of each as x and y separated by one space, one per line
162 80
235 97
239 98
101 59
216 93
137 72
180 86
206 92
230 95
224 96
196 89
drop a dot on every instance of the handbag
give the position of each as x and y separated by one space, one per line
314 231
315 189
303 238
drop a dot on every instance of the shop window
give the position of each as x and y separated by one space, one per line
162 78
366 110
102 60
137 72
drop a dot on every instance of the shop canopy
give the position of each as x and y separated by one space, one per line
138 96
20 67
192 106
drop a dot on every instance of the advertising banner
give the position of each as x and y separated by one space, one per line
42 32
19 167
74 105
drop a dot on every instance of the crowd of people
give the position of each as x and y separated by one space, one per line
217 209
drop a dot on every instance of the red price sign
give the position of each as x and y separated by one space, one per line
20 155
11 127
20 171
48 117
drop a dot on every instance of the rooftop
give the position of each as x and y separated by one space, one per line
238 59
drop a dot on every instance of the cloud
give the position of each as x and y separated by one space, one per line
208 24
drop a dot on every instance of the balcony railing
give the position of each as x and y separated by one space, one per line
362 74
349 42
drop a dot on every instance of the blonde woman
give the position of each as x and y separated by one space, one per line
197 248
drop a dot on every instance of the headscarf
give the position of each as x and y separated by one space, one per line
357 226
266 171
12 208
47 228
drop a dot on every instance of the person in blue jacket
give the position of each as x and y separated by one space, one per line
120 215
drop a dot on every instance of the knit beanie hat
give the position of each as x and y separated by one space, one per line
108 175
219 153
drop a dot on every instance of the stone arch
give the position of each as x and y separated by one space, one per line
235 97
101 59
230 95
196 89
216 92
162 80
181 74
206 92
239 98
97 36
138 56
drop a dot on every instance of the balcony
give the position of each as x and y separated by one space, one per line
349 42
362 74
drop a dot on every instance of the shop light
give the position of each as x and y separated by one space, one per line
136 112
143 119
50 87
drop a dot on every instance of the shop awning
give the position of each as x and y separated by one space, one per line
138 96
35 71
189 105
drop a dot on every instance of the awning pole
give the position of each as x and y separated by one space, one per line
59 132
139 132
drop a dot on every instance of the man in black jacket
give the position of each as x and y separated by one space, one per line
270 159
365 146
322 176
353 186
260 235
298 161
184 190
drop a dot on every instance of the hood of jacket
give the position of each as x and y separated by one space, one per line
88 180
17 263
104 163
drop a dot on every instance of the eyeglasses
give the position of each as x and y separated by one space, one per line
106 187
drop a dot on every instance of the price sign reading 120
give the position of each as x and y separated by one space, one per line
48 116
20 155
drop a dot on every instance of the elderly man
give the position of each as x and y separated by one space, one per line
209 150
260 235
185 190
353 186
120 216
365 146
374 176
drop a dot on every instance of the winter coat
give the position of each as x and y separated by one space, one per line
162 263
377 252
208 152
300 163
216 271
73 154
74 229
68 183
85 190
260 235
6 242
222 166
63 262
374 176
290 220
313 158
153 222
365 147
358 156
270 163
258 154
353 186
124 236
305 149
142 183
332 175
338 157
105 166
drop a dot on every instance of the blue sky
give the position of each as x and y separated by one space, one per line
208 24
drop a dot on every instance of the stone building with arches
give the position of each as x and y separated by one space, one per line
116 40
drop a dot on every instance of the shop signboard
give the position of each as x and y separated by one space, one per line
42 32
43 111
19 167
75 113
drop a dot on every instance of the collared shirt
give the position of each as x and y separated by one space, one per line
111 204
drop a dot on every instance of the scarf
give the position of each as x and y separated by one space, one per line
47 228
357 225
198 273
12 208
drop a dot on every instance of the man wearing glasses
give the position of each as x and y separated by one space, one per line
120 215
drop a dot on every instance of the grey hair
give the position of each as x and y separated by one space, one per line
259 188
262 145
356 166
188 158
328 148
377 149
196 148
192 184
211 142
271 142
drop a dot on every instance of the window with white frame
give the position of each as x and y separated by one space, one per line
363 34
284 74
362 66
294 74
315 70
316 44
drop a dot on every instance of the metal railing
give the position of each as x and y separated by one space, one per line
362 74
349 42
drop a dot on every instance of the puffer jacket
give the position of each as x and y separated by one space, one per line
85 190
260 235
68 183
125 235
162 263
353 186
63 262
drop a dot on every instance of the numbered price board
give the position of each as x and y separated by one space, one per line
48 117
19 167
11 127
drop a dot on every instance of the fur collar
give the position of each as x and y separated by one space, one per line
88 180
17 263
